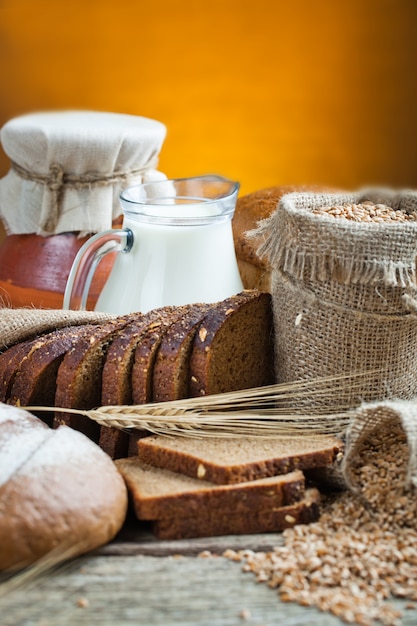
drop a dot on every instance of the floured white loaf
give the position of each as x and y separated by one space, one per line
58 490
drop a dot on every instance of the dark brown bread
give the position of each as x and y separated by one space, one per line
233 346
145 355
161 494
35 377
171 370
269 519
117 377
117 370
10 360
239 459
123 382
79 378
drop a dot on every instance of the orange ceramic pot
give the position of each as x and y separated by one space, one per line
34 270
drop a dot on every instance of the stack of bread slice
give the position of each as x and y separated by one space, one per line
195 487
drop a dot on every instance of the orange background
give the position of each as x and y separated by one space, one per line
307 91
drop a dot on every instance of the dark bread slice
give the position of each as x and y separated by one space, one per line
35 377
215 523
126 383
117 374
78 383
239 459
171 370
145 355
10 360
233 347
161 494
117 370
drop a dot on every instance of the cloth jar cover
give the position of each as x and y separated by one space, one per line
69 167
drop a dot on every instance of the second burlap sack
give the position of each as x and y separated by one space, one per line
344 296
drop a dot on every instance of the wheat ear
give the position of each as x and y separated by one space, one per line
274 410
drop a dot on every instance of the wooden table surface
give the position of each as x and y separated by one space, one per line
137 580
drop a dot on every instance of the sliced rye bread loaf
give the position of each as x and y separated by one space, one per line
79 378
239 459
35 377
161 494
118 374
222 522
145 355
233 346
171 370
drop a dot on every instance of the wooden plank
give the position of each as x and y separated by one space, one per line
152 591
136 538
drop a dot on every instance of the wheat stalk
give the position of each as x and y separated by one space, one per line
267 411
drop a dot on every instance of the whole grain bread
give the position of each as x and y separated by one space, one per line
79 378
239 459
117 374
145 355
161 494
233 346
10 360
171 370
117 370
35 377
268 519
128 374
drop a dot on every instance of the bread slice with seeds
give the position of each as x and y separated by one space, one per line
239 459
161 494
171 371
79 379
10 360
118 375
145 355
223 522
233 346
35 377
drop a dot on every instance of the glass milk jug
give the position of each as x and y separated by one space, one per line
176 247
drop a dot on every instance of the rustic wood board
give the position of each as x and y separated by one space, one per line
152 591
137 538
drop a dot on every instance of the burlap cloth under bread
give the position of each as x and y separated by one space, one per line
344 295
19 324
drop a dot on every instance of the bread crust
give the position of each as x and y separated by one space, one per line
161 494
35 377
171 371
63 493
146 353
252 208
263 520
233 346
79 379
240 459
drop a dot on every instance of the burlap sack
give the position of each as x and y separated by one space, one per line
19 324
377 420
344 296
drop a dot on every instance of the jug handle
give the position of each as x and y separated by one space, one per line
87 260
